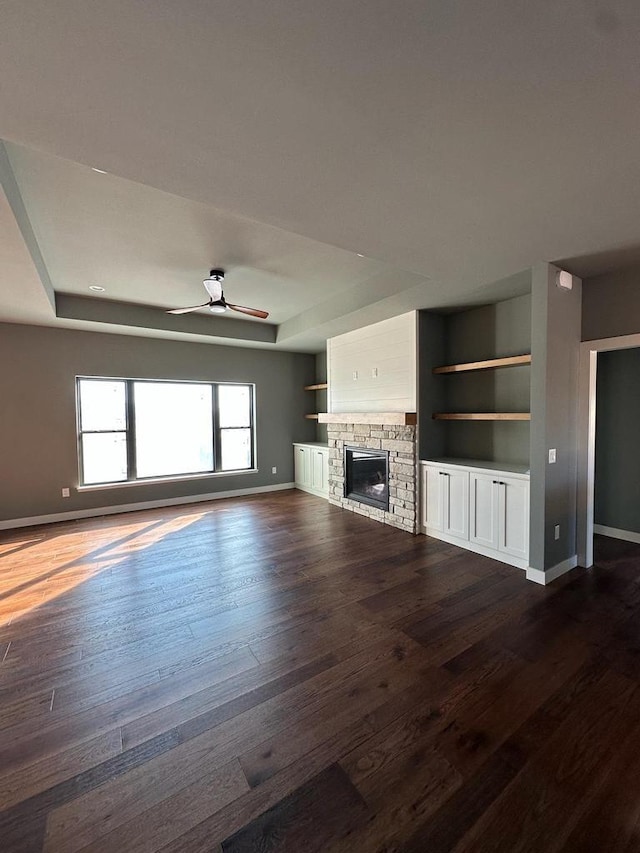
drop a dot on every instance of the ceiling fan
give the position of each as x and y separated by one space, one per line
217 304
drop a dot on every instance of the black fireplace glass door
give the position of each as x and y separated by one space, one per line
367 476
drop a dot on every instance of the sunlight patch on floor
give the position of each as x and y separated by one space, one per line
37 569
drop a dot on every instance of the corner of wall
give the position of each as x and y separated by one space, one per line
431 353
556 334
546 577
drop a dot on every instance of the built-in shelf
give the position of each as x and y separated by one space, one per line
319 386
489 364
482 416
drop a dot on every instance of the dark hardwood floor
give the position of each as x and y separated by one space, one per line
275 674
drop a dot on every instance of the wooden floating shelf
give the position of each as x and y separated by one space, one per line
489 364
482 416
311 417
391 418
321 386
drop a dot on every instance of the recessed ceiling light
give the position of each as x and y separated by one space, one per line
96 288
99 171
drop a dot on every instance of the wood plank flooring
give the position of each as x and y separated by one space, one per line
275 674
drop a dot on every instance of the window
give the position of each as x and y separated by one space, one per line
130 429
173 428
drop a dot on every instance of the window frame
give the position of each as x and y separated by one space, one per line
130 432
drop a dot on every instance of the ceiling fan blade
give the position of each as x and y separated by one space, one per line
188 310
253 312
213 288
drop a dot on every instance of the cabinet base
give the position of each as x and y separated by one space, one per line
518 562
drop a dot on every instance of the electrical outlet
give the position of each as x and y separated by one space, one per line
65 493
355 374
374 372
556 531
552 455
274 470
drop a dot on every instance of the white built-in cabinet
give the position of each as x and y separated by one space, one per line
311 468
483 509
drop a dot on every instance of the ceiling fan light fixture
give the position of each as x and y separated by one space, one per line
217 304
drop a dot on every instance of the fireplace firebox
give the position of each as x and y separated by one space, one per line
367 476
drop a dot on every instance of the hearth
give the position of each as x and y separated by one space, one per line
367 476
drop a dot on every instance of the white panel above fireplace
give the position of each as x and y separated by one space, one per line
374 369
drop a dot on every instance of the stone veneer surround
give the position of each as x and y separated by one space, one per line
400 441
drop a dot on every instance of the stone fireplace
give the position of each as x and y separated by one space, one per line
391 436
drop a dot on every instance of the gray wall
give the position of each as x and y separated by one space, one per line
431 353
491 331
321 396
556 327
617 480
611 305
37 417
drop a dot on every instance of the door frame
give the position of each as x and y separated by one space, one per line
588 371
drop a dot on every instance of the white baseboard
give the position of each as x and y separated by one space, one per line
538 576
73 515
311 491
616 533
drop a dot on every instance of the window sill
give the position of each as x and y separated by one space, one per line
125 484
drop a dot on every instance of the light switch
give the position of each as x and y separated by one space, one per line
374 372
552 455
355 374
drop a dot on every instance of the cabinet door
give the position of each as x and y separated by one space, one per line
514 517
483 509
319 466
301 466
432 486
456 503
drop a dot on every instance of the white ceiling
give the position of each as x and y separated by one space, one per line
454 143
147 246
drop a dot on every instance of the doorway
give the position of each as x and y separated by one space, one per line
589 352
